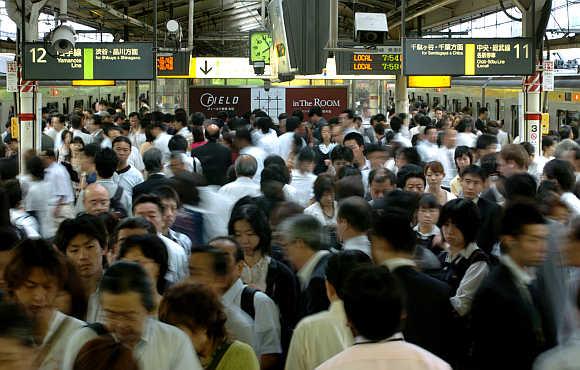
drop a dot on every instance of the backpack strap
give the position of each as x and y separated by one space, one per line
247 303
54 338
218 355
118 194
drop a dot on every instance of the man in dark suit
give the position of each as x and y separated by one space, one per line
303 244
153 161
428 322
472 180
215 158
509 322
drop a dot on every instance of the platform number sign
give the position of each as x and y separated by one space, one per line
533 130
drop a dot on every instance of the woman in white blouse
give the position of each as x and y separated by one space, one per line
325 207
434 174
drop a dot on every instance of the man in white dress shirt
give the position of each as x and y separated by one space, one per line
77 129
245 167
181 127
265 137
161 142
321 336
373 302
129 176
58 124
446 155
303 178
127 301
293 127
243 142
150 208
353 221
428 148
61 197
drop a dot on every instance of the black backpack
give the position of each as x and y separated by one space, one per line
115 206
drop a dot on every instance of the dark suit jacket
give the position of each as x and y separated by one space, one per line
489 230
313 299
9 167
148 186
502 325
215 159
428 311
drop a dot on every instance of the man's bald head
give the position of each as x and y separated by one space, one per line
96 200
212 132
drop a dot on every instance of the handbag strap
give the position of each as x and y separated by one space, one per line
218 355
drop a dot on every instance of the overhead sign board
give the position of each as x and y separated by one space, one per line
355 63
469 57
173 64
90 61
429 81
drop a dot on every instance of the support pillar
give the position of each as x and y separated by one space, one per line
401 94
531 131
132 97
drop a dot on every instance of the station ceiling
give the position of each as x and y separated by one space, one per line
221 26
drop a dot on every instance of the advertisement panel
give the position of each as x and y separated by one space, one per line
211 101
332 100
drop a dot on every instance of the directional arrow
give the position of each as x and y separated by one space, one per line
205 68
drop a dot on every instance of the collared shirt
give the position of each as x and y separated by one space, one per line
35 201
405 142
239 324
137 138
61 186
161 347
87 138
136 160
305 273
319 337
58 139
243 186
466 139
161 142
428 151
316 211
523 278
391 354
447 158
184 131
394 263
471 281
129 177
178 265
434 231
181 239
266 322
572 201
304 183
54 358
269 142
360 243
25 222
256 275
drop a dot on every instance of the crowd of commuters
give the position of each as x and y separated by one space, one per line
419 240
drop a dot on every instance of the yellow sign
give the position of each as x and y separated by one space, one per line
429 81
93 83
14 127
545 123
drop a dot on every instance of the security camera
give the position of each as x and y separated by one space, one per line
267 85
62 39
370 28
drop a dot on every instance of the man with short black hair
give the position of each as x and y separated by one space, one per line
352 223
320 336
428 148
151 208
507 301
381 181
374 305
473 180
261 309
84 241
76 123
129 176
179 147
294 127
128 303
428 309
303 177
182 128
243 141
106 162
153 160
315 117
302 240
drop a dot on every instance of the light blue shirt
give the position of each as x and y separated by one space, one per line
161 347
